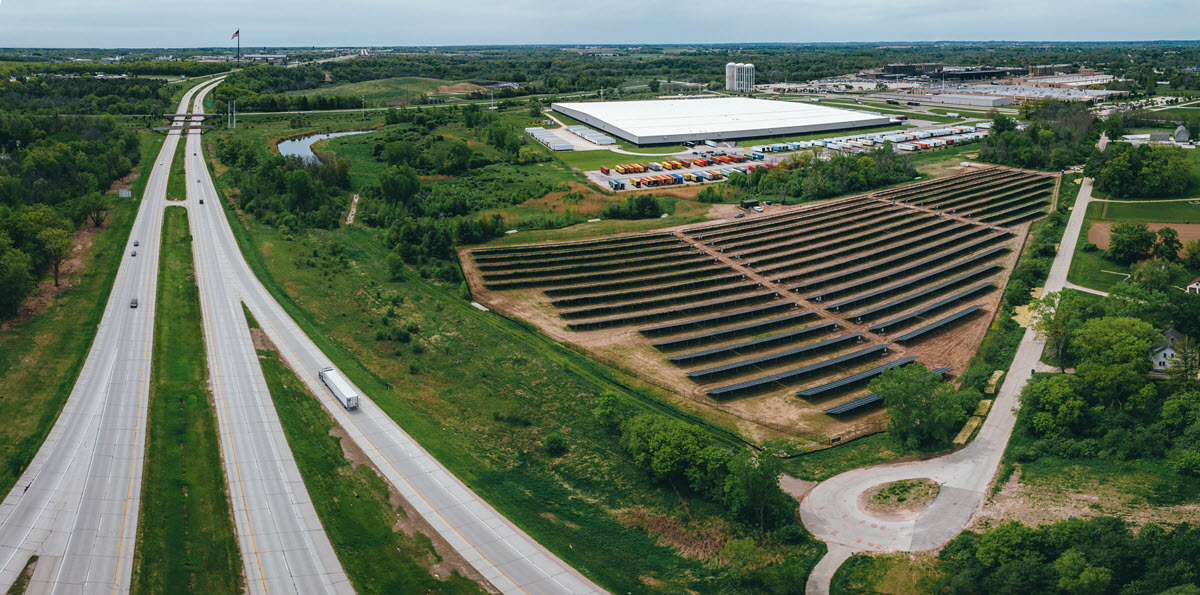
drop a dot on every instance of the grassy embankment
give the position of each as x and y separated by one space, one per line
353 502
864 574
185 540
480 392
40 358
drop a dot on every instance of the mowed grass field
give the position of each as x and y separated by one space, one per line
352 501
186 540
40 357
381 91
1093 270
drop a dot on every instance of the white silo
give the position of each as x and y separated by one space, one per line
749 77
730 76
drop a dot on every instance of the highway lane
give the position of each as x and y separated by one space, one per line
284 547
76 506
501 552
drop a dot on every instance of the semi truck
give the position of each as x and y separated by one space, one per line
339 387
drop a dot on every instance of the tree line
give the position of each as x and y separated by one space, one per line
1059 134
805 177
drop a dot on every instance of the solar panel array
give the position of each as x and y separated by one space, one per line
795 301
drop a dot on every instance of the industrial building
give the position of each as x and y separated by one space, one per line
739 77
951 99
723 118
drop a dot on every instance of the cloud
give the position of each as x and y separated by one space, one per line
146 23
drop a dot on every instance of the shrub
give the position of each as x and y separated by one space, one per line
555 445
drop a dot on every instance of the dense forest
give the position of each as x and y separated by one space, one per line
1124 170
1059 134
75 94
53 173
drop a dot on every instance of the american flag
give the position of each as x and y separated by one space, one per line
235 34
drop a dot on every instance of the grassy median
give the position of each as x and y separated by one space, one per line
185 540
352 501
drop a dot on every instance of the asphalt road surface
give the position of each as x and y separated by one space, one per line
76 505
831 510
284 547
501 552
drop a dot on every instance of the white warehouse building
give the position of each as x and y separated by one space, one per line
739 77
722 118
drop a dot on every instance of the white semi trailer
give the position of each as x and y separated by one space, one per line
339 387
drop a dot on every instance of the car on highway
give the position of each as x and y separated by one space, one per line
133 303
136 243
134 253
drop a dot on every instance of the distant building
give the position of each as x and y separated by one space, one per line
1194 287
1181 135
1160 137
1164 353
739 77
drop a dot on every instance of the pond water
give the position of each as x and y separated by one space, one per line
302 147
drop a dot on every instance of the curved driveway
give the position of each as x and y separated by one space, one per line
831 510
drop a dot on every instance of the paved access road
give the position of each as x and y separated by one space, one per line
76 506
831 510
284 548
502 553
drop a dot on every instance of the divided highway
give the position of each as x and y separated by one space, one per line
501 552
284 548
76 506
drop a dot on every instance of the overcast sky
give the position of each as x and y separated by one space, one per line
175 23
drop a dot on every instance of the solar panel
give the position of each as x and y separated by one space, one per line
737 331
944 321
861 402
790 375
641 317
700 375
853 378
725 318
881 327
763 343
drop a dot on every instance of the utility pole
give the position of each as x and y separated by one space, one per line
364 98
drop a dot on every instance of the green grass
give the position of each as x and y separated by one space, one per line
593 160
885 573
22 583
40 358
380 91
176 183
1087 268
185 540
864 452
353 501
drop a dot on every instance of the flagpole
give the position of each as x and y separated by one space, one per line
239 54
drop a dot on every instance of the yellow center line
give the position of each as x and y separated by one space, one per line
225 410
393 466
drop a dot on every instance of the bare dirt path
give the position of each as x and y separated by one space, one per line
353 210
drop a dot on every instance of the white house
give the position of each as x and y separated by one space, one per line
1164 353
1194 287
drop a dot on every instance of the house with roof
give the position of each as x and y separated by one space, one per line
1193 287
1164 352
1181 135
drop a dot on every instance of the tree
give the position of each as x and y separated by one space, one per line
1114 341
752 487
1168 245
1191 254
1007 543
95 206
1186 364
1129 242
16 277
1057 405
1078 577
1002 124
399 184
1056 317
392 116
923 410
1155 274
607 412
654 85
56 245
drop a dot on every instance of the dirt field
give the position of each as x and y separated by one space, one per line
458 88
1041 504
760 416
1099 232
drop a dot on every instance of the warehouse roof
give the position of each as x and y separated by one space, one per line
671 120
